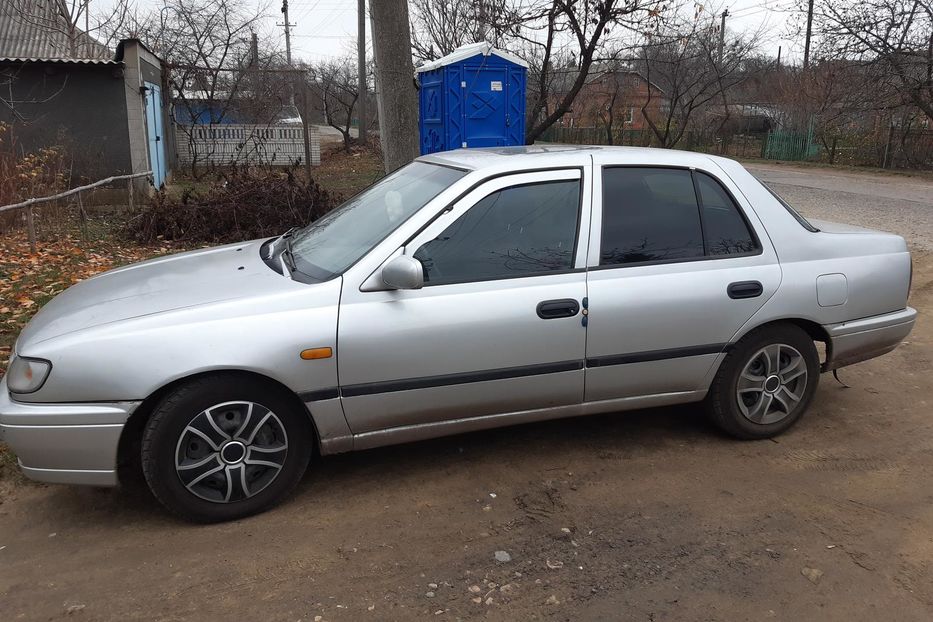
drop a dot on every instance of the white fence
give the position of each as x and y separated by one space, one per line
225 145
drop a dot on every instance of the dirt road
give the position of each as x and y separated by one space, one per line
636 516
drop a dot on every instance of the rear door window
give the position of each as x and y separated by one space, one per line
649 215
656 215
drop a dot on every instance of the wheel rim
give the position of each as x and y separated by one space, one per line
772 384
231 451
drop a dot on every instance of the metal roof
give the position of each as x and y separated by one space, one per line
538 156
40 29
62 61
466 51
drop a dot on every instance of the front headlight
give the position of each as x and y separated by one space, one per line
27 375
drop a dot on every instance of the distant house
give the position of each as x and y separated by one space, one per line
58 86
624 95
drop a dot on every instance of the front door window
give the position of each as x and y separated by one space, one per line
518 231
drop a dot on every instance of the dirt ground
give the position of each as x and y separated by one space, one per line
649 515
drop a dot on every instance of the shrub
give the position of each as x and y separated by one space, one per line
245 204
26 175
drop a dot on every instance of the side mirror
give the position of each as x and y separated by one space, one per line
403 272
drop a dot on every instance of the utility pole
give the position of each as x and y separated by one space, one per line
806 45
779 57
288 46
361 68
288 33
87 26
722 34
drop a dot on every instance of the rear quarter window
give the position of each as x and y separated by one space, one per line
793 212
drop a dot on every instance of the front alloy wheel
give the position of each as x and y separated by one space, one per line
231 451
226 446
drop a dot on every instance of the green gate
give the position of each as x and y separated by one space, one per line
790 146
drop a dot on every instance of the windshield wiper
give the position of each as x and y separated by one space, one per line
287 256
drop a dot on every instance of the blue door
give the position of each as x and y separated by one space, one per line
484 109
156 134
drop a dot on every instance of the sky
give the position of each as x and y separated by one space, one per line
327 28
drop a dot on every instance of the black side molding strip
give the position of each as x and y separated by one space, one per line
320 395
654 355
426 382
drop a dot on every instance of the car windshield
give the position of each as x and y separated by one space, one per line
337 240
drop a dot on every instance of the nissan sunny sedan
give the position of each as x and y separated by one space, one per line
470 289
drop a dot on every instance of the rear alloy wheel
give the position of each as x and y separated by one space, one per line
766 382
221 448
772 384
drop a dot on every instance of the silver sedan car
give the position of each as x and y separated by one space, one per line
471 289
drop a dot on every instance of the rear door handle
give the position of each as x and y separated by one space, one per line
745 289
564 307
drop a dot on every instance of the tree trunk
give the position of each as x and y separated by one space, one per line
397 99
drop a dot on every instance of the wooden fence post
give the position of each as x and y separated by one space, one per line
83 218
31 229
129 195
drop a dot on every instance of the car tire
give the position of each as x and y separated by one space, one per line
765 383
224 447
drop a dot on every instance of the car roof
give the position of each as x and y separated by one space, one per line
547 155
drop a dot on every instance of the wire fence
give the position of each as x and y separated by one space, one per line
27 206
891 148
747 145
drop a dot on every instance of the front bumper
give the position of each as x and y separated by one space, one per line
860 340
64 443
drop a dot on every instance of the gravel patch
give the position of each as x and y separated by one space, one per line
901 205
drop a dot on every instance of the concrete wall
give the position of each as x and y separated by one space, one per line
143 66
80 107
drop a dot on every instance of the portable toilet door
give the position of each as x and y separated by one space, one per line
473 97
485 105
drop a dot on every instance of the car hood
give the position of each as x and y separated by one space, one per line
155 286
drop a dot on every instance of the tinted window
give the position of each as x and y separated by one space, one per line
649 214
725 229
513 232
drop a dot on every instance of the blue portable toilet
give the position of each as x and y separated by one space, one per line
473 97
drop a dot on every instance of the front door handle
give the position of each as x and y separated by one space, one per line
744 289
564 307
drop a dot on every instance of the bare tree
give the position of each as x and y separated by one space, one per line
337 84
834 97
613 98
215 73
894 35
397 98
441 26
683 60
567 37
